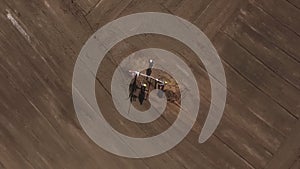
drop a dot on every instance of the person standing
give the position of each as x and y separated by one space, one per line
155 83
149 70
133 87
161 86
142 94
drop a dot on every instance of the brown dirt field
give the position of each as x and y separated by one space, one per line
257 40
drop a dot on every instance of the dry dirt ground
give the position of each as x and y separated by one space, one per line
257 40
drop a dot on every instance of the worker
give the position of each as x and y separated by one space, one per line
155 83
149 70
161 86
142 95
134 73
151 63
132 88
